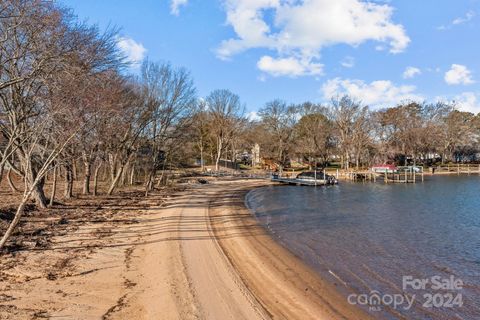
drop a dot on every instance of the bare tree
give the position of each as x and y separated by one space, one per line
43 47
200 131
170 100
226 114
411 129
349 118
127 123
44 50
362 136
278 120
314 133
34 176
457 131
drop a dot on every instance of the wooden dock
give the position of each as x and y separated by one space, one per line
459 169
405 176
301 182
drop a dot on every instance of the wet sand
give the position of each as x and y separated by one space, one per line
199 255
283 285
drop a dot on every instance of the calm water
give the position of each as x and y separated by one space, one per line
367 237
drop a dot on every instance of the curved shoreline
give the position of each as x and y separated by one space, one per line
283 284
196 254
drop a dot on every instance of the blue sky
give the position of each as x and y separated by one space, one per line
380 52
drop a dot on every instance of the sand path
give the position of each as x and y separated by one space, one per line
219 291
180 270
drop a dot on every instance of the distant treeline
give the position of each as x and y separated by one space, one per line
348 132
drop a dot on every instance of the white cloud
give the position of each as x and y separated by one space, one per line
175 6
461 20
411 72
458 21
288 66
133 51
458 74
380 93
348 62
253 116
469 102
300 29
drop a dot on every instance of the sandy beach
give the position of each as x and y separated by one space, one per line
197 254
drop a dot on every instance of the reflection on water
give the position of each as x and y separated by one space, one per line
371 235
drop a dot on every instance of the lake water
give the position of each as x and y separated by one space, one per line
397 243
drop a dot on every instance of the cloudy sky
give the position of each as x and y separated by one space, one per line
380 52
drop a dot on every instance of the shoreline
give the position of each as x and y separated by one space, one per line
195 254
296 291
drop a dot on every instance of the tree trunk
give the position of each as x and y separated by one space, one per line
74 170
162 176
112 166
34 190
54 186
39 194
132 175
95 179
219 155
115 181
234 159
201 159
123 181
86 178
149 181
160 180
10 182
68 181
15 220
